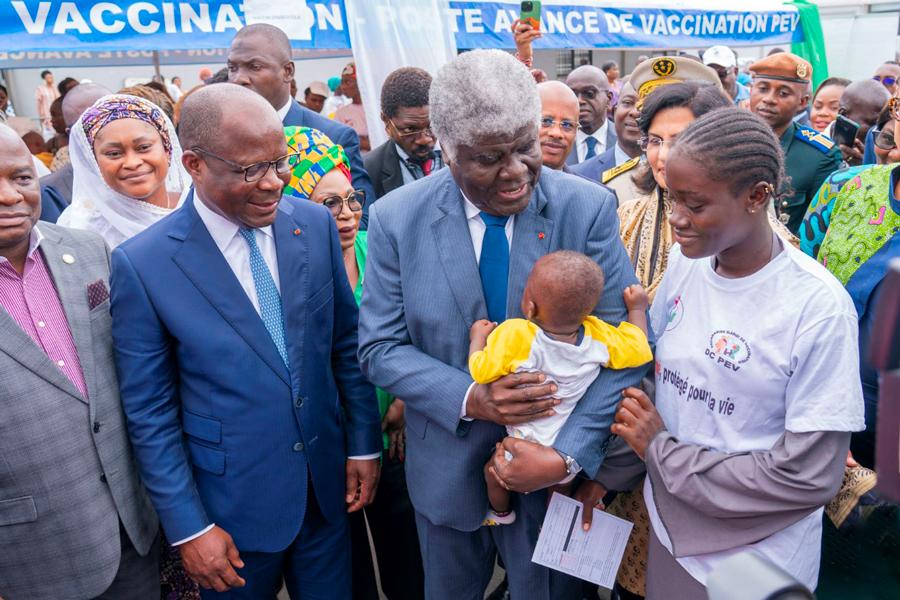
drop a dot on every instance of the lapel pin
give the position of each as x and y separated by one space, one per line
297 232
540 235
68 259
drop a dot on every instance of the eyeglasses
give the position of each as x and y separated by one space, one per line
886 81
355 201
589 93
409 132
564 124
257 171
884 139
654 143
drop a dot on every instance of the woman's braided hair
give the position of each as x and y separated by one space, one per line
735 146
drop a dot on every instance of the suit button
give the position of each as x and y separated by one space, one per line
96 426
103 478
298 402
298 447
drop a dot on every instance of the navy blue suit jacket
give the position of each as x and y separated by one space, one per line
594 167
223 432
345 136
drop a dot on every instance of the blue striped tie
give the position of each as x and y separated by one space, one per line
267 294
494 266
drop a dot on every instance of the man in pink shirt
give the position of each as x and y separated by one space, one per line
353 115
71 504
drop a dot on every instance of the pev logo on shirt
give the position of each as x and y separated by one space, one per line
728 349
674 313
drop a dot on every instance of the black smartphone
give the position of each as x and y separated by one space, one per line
845 131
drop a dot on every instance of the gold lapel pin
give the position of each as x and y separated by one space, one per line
68 259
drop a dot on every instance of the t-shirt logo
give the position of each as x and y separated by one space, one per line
675 313
728 349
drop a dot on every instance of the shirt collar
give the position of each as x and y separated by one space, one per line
284 110
34 241
472 211
599 135
401 152
221 229
620 155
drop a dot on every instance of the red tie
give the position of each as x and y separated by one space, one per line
427 165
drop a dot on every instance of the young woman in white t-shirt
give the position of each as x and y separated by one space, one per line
757 377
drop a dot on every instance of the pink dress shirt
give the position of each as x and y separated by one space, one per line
32 301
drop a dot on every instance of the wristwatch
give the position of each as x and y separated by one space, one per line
572 465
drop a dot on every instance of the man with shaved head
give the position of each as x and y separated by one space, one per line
56 188
260 59
235 336
559 122
77 522
595 136
861 102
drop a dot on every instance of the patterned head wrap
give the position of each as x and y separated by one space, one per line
122 106
318 156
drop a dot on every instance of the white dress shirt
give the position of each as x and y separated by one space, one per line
599 135
236 251
284 110
620 155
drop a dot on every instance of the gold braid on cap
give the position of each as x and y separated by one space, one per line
649 86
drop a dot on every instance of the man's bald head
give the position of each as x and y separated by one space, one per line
862 101
276 42
20 197
79 99
213 111
591 86
559 105
260 59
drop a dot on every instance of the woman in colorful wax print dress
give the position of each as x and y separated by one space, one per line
321 174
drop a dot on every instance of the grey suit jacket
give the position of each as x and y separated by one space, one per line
422 294
67 474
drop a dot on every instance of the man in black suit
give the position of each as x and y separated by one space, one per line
260 59
409 154
595 136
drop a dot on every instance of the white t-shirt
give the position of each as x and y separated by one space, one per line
739 361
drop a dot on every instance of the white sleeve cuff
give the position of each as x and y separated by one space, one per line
366 456
462 411
195 536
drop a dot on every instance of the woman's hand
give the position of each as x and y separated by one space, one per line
637 421
524 35
393 425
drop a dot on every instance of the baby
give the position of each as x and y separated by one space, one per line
561 339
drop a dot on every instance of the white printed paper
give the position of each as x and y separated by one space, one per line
294 18
563 545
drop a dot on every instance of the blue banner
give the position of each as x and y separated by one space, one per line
88 25
153 24
487 25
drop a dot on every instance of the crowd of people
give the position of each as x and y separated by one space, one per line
243 351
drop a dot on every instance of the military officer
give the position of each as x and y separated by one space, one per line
648 76
780 90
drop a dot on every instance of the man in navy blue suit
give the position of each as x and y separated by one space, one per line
260 59
235 338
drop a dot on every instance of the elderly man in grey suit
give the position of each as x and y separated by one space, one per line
75 521
456 247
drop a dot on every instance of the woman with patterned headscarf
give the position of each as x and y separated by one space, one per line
321 174
127 169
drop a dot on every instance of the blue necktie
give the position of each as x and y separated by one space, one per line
494 266
591 146
267 294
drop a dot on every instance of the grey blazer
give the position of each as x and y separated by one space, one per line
422 294
67 474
